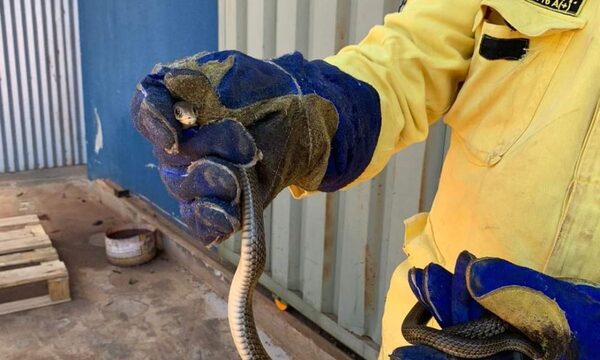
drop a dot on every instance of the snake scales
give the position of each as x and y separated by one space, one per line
253 256
474 340
252 263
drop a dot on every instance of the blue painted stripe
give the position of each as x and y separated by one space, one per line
121 41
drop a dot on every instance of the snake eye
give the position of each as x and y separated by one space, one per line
177 112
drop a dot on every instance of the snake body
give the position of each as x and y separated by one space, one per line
253 255
473 340
250 267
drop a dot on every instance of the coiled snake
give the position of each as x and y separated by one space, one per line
473 340
476 339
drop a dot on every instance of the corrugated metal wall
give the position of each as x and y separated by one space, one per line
41 115
332 256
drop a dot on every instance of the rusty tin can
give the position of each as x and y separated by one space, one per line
130 244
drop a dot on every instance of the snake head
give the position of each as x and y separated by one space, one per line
185 113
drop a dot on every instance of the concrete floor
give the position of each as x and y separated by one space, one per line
154 311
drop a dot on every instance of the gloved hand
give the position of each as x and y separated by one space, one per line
561 315
300 123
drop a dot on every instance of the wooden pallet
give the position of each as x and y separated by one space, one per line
26 257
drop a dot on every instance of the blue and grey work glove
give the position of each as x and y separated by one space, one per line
301 123
562 316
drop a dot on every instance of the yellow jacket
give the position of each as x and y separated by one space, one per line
521 179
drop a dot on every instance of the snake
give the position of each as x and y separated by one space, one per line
472 340
476 339
253 255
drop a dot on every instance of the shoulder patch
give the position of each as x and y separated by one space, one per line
569 7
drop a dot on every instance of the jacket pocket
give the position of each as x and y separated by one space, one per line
517 50
419 243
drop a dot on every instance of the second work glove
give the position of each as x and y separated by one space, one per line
561 315
300 123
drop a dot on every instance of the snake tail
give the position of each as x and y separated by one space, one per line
250 267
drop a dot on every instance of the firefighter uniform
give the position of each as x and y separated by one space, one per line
518 83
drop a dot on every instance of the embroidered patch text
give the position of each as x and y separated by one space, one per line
569 7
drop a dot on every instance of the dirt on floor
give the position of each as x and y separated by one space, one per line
153 311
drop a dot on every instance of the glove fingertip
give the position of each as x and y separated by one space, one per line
463 260
151 111
488 274
473 276
204 178
464 307
134 106
438 292
203 235
211 221
415 281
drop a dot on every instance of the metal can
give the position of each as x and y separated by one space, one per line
130 244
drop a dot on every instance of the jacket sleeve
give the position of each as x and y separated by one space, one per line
416 62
